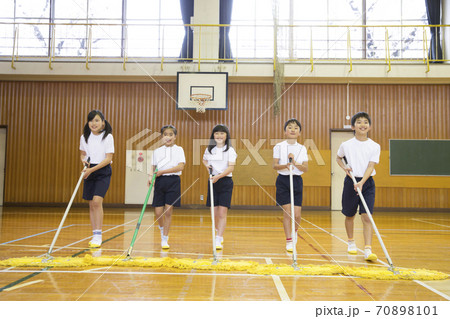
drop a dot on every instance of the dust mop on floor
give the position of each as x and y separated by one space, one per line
251 267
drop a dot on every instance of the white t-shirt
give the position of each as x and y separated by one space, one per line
168 157
359 154
219 159
283 149
97 147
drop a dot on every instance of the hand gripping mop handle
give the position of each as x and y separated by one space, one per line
138 225
213 226
371 219
68 208
291 188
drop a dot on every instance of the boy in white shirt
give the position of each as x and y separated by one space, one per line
169 159
361 154
282 152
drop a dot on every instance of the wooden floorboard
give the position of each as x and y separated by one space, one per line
413 240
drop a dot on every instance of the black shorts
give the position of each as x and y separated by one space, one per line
284 190
351 200
222 190
167 191
97 183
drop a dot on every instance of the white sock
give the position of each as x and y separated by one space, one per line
97 233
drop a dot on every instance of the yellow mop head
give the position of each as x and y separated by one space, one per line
250 267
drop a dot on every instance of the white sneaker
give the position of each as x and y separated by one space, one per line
369 256
352 249
289 246
219 242
164 242
95 242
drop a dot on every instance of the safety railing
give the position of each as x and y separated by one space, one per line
311 44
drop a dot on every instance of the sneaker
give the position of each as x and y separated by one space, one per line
352 248
219 243
289 246
95 242
369 255
164 242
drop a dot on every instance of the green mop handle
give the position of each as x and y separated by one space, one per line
142 214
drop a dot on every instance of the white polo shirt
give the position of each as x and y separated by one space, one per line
219 160
359 154
168 157
283 149
96 148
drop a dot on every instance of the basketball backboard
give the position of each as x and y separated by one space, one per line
192 84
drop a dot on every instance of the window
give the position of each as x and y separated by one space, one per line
155 28
303 23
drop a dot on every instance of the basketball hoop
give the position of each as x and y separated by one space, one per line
201 100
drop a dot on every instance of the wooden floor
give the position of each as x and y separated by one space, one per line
413 239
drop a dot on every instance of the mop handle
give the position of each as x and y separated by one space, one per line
211 198
68 207
370 217
138 225
291 186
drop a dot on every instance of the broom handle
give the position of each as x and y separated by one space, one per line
291 185
68 208
371 219
211 198
138 225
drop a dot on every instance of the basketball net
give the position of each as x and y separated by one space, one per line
201 100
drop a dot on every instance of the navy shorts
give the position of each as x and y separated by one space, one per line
97 183
167 191
222 190
351 200
284 190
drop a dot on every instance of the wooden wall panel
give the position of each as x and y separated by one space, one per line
45 121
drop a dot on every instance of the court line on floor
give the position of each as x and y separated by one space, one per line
432 289
31 236
278 284
35 273
387 265
23 285
424 221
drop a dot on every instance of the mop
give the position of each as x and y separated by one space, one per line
391 265
293 234
211 198
138 225
49 252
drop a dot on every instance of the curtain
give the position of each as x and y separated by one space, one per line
434 18
187 11
226 7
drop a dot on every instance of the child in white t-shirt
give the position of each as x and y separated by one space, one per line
220 156
361 154
96 143
282 153
169 159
